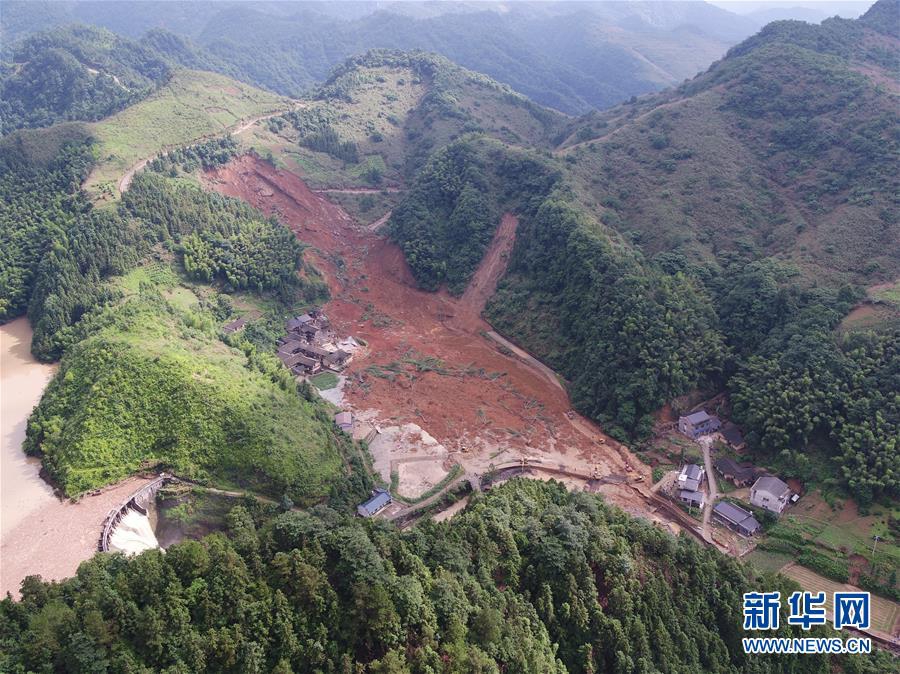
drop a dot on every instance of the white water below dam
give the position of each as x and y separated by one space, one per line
133 534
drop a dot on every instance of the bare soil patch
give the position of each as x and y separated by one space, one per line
480 403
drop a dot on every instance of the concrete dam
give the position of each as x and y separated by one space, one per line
127 528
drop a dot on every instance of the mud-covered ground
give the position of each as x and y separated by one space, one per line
429 360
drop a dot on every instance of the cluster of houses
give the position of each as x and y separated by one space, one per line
766 491
309 346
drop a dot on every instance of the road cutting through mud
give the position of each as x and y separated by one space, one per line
428 359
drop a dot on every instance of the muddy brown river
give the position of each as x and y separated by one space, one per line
39 533
22 381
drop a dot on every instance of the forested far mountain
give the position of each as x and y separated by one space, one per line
709 238
379 115
570 56
787 148
75 73
529 579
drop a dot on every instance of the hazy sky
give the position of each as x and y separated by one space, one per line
848 10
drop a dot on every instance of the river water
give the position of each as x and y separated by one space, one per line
22 381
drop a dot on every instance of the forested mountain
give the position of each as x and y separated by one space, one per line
529 579
570 56
785 148
379 115
75 73
711 236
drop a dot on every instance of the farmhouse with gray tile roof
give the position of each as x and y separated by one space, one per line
698 423
770 493
735 518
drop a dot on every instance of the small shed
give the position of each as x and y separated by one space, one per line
234 326
379 501
344 421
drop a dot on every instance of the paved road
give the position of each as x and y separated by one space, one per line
705 443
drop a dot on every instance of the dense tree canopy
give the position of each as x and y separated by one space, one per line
529 579
60 249
75 73
40 177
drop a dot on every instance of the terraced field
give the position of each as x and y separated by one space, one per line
885 613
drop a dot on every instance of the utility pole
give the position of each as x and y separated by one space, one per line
877 538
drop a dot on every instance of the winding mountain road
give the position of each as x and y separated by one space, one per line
235 130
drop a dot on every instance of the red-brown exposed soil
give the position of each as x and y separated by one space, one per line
374 297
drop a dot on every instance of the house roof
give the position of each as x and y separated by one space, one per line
342 418
691 484
732 435
291 360
698 417
771 484
315 350
234 326
741 471
337 355
692 471
376 503
690 495
737 516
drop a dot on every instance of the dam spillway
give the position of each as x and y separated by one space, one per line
133 534
127 527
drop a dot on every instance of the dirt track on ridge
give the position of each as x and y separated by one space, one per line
484 403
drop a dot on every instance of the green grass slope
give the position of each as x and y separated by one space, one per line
153 385
191 106
380 115
786 148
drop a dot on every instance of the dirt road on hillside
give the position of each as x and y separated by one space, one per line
480 403
125 180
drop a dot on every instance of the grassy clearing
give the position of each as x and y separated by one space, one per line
768 561
325 381
889 294
193 105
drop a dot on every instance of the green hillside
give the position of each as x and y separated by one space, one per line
379 116
786 148
191 106
40 177
75 73
588 589
153 385
708 239
628 335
